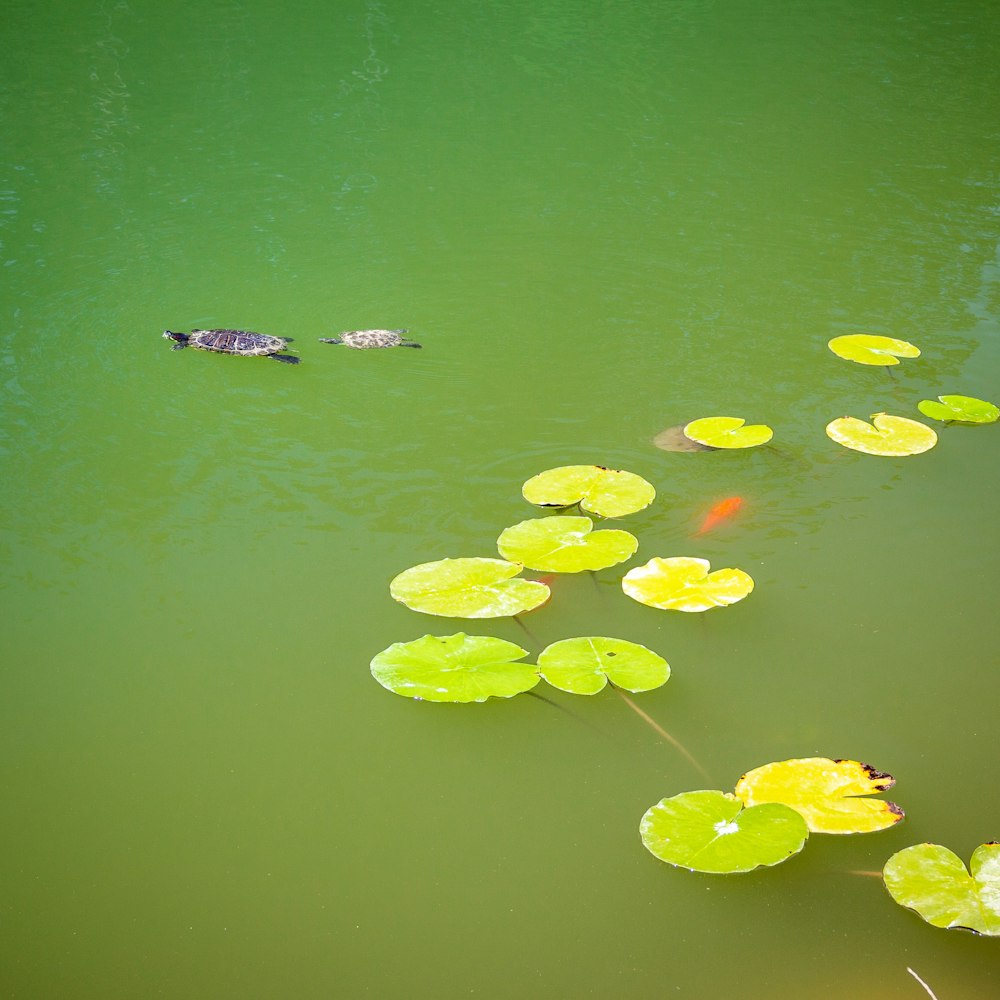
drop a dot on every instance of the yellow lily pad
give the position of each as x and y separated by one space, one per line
684 583
601 491
727 432
867 349
561 544
885 435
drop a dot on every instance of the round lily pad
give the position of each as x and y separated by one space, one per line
727 432
867 349
585 665
674 439
885 435
468 588
711 831
684 583
460 668
962 409
601 491
934 881
562 544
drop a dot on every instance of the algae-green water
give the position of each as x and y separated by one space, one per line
600 220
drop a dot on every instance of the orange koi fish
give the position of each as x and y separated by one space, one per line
723 510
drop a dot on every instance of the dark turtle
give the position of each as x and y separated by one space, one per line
364 340
241 342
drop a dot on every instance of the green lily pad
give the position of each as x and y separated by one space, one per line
963 409
885 435
601 491
935 882
468 588
727 432
585 665
683 583
867 349
562 544
710 831
459 668
825 792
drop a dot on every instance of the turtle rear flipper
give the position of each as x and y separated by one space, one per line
289 359
410 344
330 340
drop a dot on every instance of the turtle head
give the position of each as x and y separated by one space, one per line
180 338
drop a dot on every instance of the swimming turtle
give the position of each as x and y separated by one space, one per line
363 340
241 342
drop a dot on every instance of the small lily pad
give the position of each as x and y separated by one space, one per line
601 491
684 583
585 665
885 435
711 831
460 668
728 432
562 544
468 588
867 349
825 792
962 409
934 881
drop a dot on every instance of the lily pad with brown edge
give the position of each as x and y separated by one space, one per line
684 583
585 664
564 544
869 349
886 435
601 491
728 432
959 410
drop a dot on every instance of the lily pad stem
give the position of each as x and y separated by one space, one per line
527 631
930 992
657 728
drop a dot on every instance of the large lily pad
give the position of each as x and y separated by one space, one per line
934 881
468 588
684 583
885 435
585 665
962 409
867 349
562 544
727 432
460 668
711 831
825 792
601 491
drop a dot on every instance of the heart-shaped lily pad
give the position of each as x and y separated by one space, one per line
684 583
601 491
885 435
460 668
963 409
867 349
562 544
585 665
468 588
711 831
727 432
825 792
934 881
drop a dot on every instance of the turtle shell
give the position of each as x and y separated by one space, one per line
236 342
365 339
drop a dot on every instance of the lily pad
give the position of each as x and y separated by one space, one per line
885 435
728 432
935 882
674 439
684 583
825 792
867 349
585 665
963 409
601 491
562 544
711 831
468 588
459 668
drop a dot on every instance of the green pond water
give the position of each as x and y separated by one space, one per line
600 220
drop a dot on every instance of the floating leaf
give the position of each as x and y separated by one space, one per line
892 436
460 668
867 349
562 544
710 831
683 583
825 792
674 439
727 432
964 409
585 665
468 588
935 882
606 492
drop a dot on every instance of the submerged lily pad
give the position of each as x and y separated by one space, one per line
684 583
711 831
885 435
468 588
868 349
963 409
934 881
562 544
585 665
459 668
728 432
825 792
674 439
606 492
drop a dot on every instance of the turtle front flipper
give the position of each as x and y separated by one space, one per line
410 343
289 359
330 340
